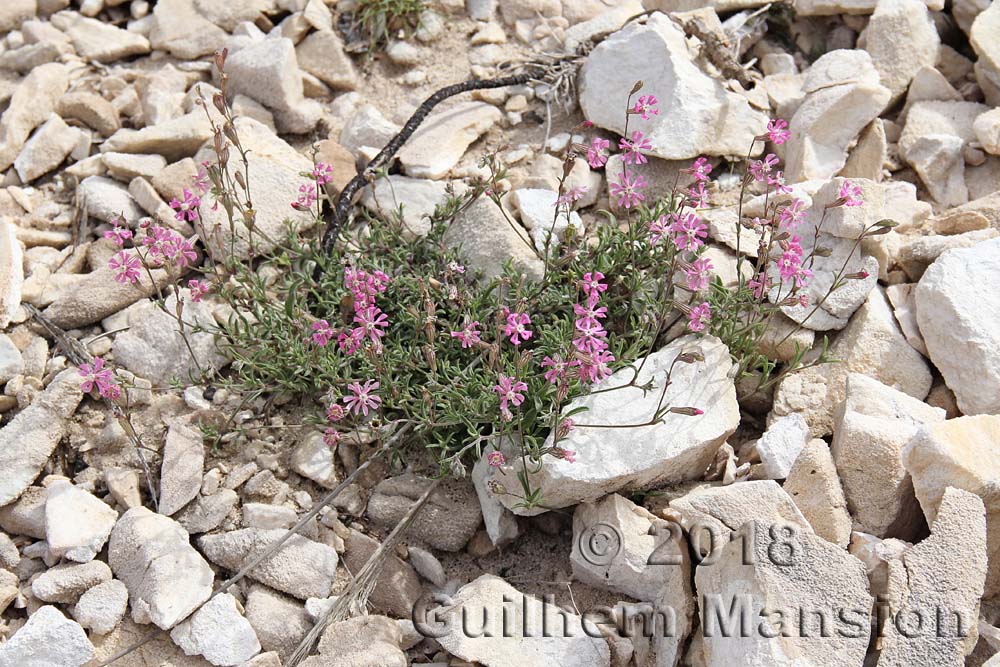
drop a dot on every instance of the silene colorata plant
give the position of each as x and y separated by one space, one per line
390 335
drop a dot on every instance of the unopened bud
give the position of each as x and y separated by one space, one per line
822 251
690 412
220 102
857 275
637 87
220 59
496 488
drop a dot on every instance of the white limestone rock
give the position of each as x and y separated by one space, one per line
417 197
219 632
933 142
441 141
34 99
770 577
537 212
843 95
154 348
939 580
703 118
182 468
781 444
715 512
27 440
102 607
314 459
11 271
48 639
815 487
166 578
958 312
67 582
519 641
46 149
963 453
901 39
871 344
301 567
679 448
870 429
99 41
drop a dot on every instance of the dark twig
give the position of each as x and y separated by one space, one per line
342 208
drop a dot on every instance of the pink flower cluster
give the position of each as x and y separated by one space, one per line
627 188
369 319
322 173
593 359
97 375
161 246
790 262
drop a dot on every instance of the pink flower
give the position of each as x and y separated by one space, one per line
306 198
761 168
331 437
495 459
187 208
791 215
627 189
588 315
558 368
689 231
850 194
658 229
184 253
349 343
509 387
95 375
118 235
645 105
371 321
335 412
777 131
322 333
574 194
126 267
569 456
596 366
630 149
592 283
591 338
778 183
759 284
323 173
516 327
698 273
455 267
198 289
469 335
200 182
700 169
363 399
112 392
700 316
596 155
698 196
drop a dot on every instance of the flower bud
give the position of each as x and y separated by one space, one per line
220 59
690 357
690 412
496 488
220 103
857 275
637 87
822 251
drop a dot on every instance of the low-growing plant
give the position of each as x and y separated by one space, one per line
380 19
391 333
